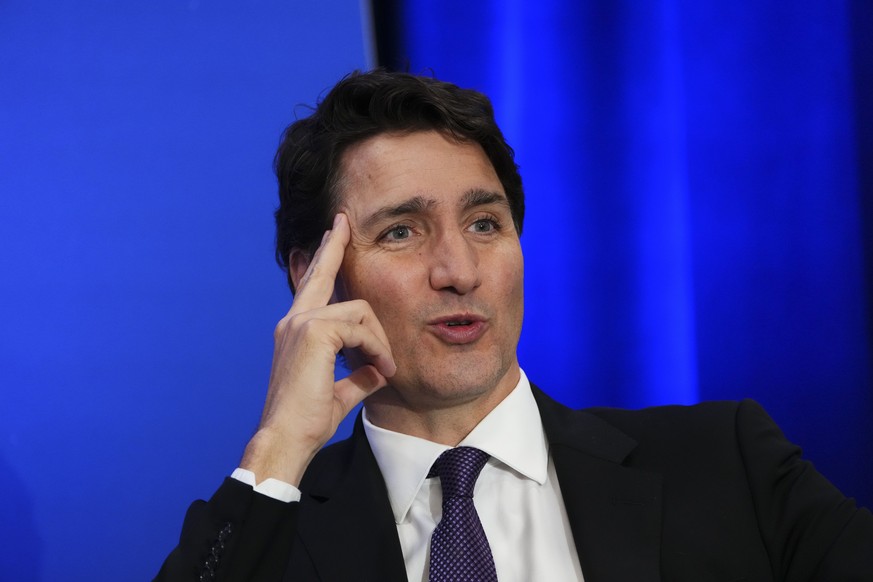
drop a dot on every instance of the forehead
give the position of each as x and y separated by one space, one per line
391 167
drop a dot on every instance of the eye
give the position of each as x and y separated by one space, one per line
397 233
485 225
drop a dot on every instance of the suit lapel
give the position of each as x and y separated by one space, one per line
614 510
348 532
347 525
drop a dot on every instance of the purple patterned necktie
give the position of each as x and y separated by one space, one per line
459 550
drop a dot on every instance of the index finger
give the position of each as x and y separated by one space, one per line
316 286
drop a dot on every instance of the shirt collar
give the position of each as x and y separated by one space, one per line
512 434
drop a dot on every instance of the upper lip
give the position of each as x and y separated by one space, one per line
457 318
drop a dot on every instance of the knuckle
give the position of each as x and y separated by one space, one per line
317 331
279 330
363 305
291 324
307 326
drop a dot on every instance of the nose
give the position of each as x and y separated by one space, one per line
455 264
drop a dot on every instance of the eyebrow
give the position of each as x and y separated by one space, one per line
420 204
415 205
480 197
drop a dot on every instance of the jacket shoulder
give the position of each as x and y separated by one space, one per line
680 436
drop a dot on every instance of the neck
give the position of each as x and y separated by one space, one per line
439 420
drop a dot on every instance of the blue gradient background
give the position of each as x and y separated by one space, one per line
139 291
697 176
694 231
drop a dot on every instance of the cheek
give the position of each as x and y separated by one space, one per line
387 286
510 276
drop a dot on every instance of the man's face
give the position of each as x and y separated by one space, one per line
435 253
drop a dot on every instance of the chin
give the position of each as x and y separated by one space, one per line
466 379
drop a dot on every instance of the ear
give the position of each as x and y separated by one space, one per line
298 262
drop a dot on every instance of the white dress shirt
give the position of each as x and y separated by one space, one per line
517 495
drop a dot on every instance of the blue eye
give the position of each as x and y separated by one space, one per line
485 225
399 232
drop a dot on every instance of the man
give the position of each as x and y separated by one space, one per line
400 213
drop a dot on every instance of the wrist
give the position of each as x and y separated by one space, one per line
269 456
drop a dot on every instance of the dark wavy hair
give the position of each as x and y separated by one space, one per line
308 163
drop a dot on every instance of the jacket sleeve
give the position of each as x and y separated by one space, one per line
237 535
812 532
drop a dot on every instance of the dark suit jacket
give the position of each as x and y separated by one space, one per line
708 492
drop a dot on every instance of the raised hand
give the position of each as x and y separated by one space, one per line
304 405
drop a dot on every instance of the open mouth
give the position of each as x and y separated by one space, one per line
461 328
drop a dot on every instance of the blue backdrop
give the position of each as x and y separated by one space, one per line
695 176
137 284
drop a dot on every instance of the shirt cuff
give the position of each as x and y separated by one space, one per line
270 487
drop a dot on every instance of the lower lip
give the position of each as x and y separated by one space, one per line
458 334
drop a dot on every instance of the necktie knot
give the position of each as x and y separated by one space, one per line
458 470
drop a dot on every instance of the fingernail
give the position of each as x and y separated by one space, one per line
324 236
336 220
